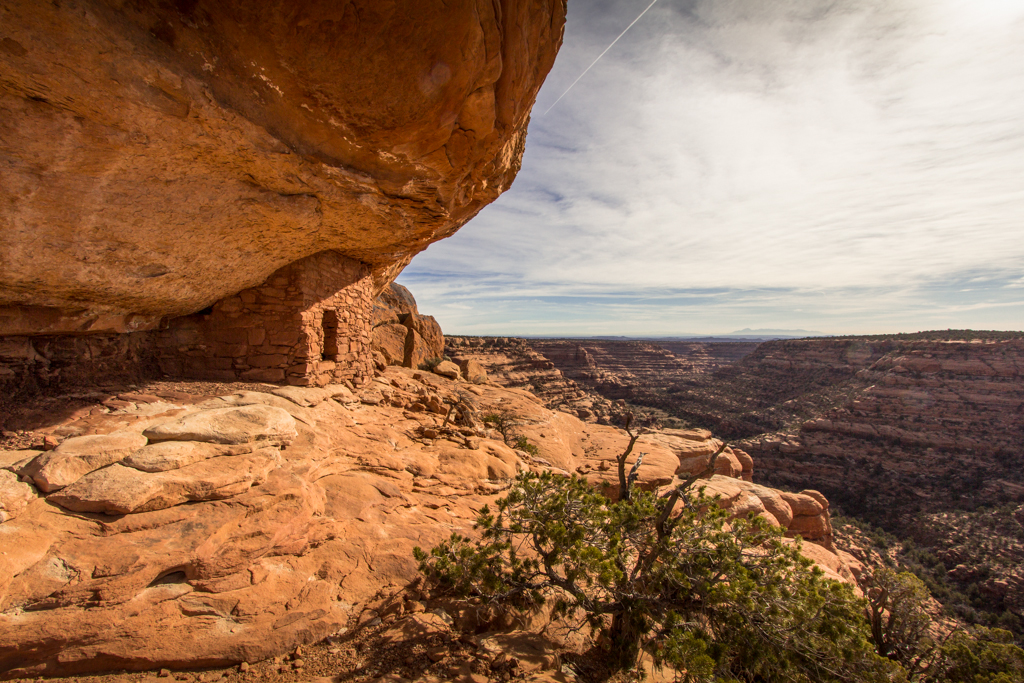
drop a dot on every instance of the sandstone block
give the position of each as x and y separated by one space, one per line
816 495
774 503
472 371
803 504
746 462
269 361
812 528
447 369
389 340
235 425
416 351
264 375
430 336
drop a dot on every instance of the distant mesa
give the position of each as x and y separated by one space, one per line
746 331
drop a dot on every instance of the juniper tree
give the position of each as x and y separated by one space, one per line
717 598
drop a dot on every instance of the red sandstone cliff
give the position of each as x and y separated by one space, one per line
162 156
242 179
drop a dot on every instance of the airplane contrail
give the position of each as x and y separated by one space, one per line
599 57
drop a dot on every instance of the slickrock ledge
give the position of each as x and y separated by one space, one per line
160 157
246 549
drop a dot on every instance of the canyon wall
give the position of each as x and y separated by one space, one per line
918 425
885 426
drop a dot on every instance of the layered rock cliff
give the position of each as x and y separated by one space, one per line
587 376
163 156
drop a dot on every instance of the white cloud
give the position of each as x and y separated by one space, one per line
748 159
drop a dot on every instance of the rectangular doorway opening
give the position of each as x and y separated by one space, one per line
330 323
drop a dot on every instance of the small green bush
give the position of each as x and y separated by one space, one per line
523 444
505 423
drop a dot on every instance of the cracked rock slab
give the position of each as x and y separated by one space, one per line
79 456
235 425
123 490
173 455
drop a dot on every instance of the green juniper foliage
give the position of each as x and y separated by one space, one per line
717 599
983 655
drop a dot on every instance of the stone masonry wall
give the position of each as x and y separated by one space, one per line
307 324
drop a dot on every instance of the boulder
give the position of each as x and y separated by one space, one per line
389 339
119 490
237 425
14 495
746 462
429 338
804 504
78 456
818 496
816 528
416 351
447 369
773 503
472 371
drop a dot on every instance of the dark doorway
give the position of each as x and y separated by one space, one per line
330 335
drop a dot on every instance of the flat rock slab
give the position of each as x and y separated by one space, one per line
235 425
173 455
16 460
79 456
14 495
306 397
122 490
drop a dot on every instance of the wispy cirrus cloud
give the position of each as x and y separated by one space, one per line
844 167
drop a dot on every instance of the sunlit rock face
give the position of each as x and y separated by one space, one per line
158 157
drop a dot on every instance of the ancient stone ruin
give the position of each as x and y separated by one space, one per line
220 190
307 324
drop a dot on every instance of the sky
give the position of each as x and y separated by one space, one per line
840 166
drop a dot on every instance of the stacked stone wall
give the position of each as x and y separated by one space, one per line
276 332
308 324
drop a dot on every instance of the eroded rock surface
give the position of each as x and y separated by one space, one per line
283 543
161 157
400 334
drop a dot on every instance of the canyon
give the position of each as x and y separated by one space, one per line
224 427
910 433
